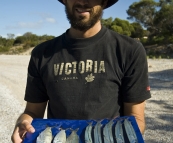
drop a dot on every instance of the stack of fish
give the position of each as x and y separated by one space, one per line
46 137
114 131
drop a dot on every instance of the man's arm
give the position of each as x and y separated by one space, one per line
137 110
23 124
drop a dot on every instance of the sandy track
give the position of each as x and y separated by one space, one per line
159 109
13 71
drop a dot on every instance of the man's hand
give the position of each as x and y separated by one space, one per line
23 125
20 131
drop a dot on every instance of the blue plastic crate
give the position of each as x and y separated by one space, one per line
56 124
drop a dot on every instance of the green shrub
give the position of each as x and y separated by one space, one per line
160 57
4 49
170 39
28 44
153 57
150 56
144 41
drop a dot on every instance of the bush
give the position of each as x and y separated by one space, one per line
4 49
28 44
170 39
143 41
160 57
158 40
19 40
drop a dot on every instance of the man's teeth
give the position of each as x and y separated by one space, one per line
81 10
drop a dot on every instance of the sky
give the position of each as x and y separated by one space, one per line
42 17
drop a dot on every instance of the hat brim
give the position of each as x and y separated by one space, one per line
109 4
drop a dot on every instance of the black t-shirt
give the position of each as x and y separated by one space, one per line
88 78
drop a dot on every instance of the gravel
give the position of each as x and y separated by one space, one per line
159 109
159 115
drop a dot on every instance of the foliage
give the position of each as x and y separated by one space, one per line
10 36
107 22
164 19
125 25
27 40
5 44
159 40
144 41
156 17
118 25
170 39
138 31
142 12
118 29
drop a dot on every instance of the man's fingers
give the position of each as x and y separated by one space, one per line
16 137
20 131
28 127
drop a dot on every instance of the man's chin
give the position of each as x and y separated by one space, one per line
82 18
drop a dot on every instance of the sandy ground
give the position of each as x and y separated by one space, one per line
159 109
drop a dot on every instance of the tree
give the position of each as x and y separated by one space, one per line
45 38
127 28
10 36
19 40
118 29
5 44
164 18
144 12
156 17
107 22
26 41
163 2
118 25
138 30
27 34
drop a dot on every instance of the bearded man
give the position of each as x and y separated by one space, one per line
89 72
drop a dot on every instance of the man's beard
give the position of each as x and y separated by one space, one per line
80 23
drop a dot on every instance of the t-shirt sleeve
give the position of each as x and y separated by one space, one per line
135 84
35 89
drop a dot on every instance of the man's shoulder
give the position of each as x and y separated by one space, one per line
123 43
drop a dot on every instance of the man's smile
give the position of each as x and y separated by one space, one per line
82 11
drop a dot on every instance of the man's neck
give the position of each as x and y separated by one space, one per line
74 33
